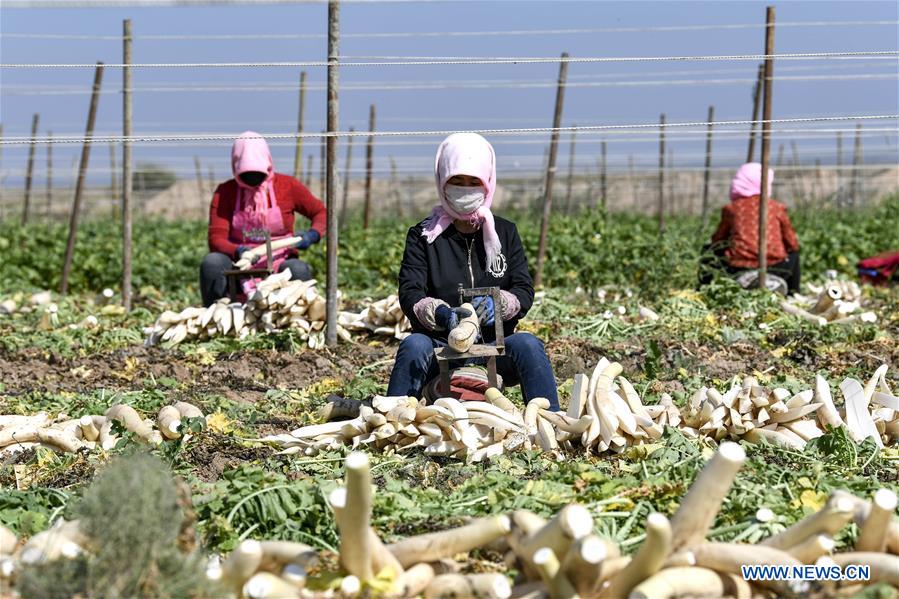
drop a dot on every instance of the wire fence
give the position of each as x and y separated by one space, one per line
624 180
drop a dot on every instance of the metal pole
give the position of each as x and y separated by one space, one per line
127 174
29 173
82 175
49 174
756 96
708 168
199 170
856 167
661 207
603 190
766 149
369 165
298 157
346 179
551 170
333 53
113 184
570 181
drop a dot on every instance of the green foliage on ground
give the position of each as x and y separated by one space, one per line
241 490
586 250
131 515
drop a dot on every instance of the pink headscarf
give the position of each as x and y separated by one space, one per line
748 181
472 155
249 154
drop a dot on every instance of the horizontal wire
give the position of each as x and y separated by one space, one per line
511 131
292 88
617 137
402 34
538 169
472 61
498 82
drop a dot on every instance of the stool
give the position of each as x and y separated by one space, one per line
447 354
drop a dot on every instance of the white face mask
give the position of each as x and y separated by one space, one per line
464 200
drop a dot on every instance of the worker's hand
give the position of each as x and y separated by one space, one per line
448 318
309 237
239 251
485 308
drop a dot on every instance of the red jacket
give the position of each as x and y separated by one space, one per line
292 196
740 225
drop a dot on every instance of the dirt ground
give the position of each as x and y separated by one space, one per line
248 375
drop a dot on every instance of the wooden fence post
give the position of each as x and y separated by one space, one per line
661 207
840 197
49 174
82 175
708 169
856 167
570 181
198 169
29 173
127 174
766 147
298 156
756 97
369 166
346 179
551 169
332 181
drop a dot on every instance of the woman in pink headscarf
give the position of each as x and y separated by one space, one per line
463 243
736 241
257 200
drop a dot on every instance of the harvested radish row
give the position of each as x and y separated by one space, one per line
383 317
605 414
65 435
837 302
277 304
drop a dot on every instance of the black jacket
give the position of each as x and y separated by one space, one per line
436 270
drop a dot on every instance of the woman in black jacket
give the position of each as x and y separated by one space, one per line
462 242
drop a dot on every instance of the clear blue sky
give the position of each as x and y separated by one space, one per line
269 111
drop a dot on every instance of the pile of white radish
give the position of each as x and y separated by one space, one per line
473 429
562 558
68 435
277 304
837 302
383 317
558 558
605 414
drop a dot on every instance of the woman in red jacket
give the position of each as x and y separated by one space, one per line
255 201
736 240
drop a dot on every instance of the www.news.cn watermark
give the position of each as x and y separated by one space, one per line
807 573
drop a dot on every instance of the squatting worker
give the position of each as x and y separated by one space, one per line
256 200
462 242
736 241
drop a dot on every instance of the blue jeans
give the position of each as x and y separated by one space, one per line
525 362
